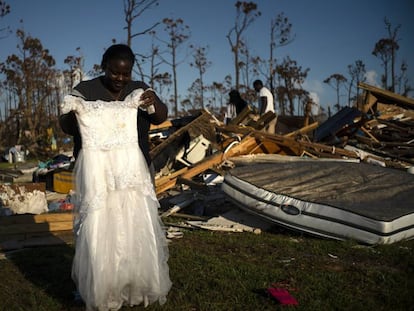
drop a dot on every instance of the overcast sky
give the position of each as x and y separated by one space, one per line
329 34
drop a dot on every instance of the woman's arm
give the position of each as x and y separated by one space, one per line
68 123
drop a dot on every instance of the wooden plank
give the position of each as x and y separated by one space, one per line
244 147
256 141
166 152
369 134
203 165
263 121
165 124
166 186
167 178
201 125
303 130
370 101
387 97
243 115
290 145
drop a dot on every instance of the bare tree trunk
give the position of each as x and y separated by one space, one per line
174 68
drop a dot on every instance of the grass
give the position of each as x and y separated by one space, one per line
6 165
231 271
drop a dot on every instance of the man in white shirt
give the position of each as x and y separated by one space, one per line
265 104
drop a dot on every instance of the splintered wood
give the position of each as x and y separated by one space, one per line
383 134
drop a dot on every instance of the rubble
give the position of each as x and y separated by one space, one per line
191 152
380 132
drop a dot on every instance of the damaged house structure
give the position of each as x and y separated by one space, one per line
349 177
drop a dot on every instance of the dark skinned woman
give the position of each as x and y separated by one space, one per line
121 251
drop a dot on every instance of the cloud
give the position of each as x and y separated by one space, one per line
371 77
317 91
314 86
315 97
316 107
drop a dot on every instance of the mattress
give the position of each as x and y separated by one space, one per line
334 199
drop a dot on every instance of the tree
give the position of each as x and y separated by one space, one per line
155 61
217 91
291 78
246 14
95 71
246 66
336 81
193 100
163 80
402 81
75 72
357 74
280 35
4 10
385 49
134 9
32 79
201 63
178 33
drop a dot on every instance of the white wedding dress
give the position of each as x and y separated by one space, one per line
121 249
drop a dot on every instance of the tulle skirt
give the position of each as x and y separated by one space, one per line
121 250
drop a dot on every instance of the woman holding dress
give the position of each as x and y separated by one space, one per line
121 251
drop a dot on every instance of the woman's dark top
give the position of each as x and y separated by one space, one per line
94 89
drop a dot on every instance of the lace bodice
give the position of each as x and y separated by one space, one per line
105 125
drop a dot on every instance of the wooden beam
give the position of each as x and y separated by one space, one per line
166 186
388 97
303 130
243 115
370 101
167 178
369 134
165 124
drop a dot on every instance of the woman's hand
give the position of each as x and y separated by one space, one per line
148 99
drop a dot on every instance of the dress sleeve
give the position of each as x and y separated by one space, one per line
70 103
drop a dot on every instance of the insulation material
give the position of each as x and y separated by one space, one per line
21 201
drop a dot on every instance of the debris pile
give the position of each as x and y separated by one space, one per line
192 154
380 132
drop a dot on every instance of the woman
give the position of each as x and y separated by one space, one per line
116 84
121 251
235 106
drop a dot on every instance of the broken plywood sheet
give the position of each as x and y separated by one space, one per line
385 97
234 220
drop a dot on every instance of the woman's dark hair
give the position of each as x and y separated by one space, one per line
234 94
117 51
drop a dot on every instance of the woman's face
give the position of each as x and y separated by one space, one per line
118 74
